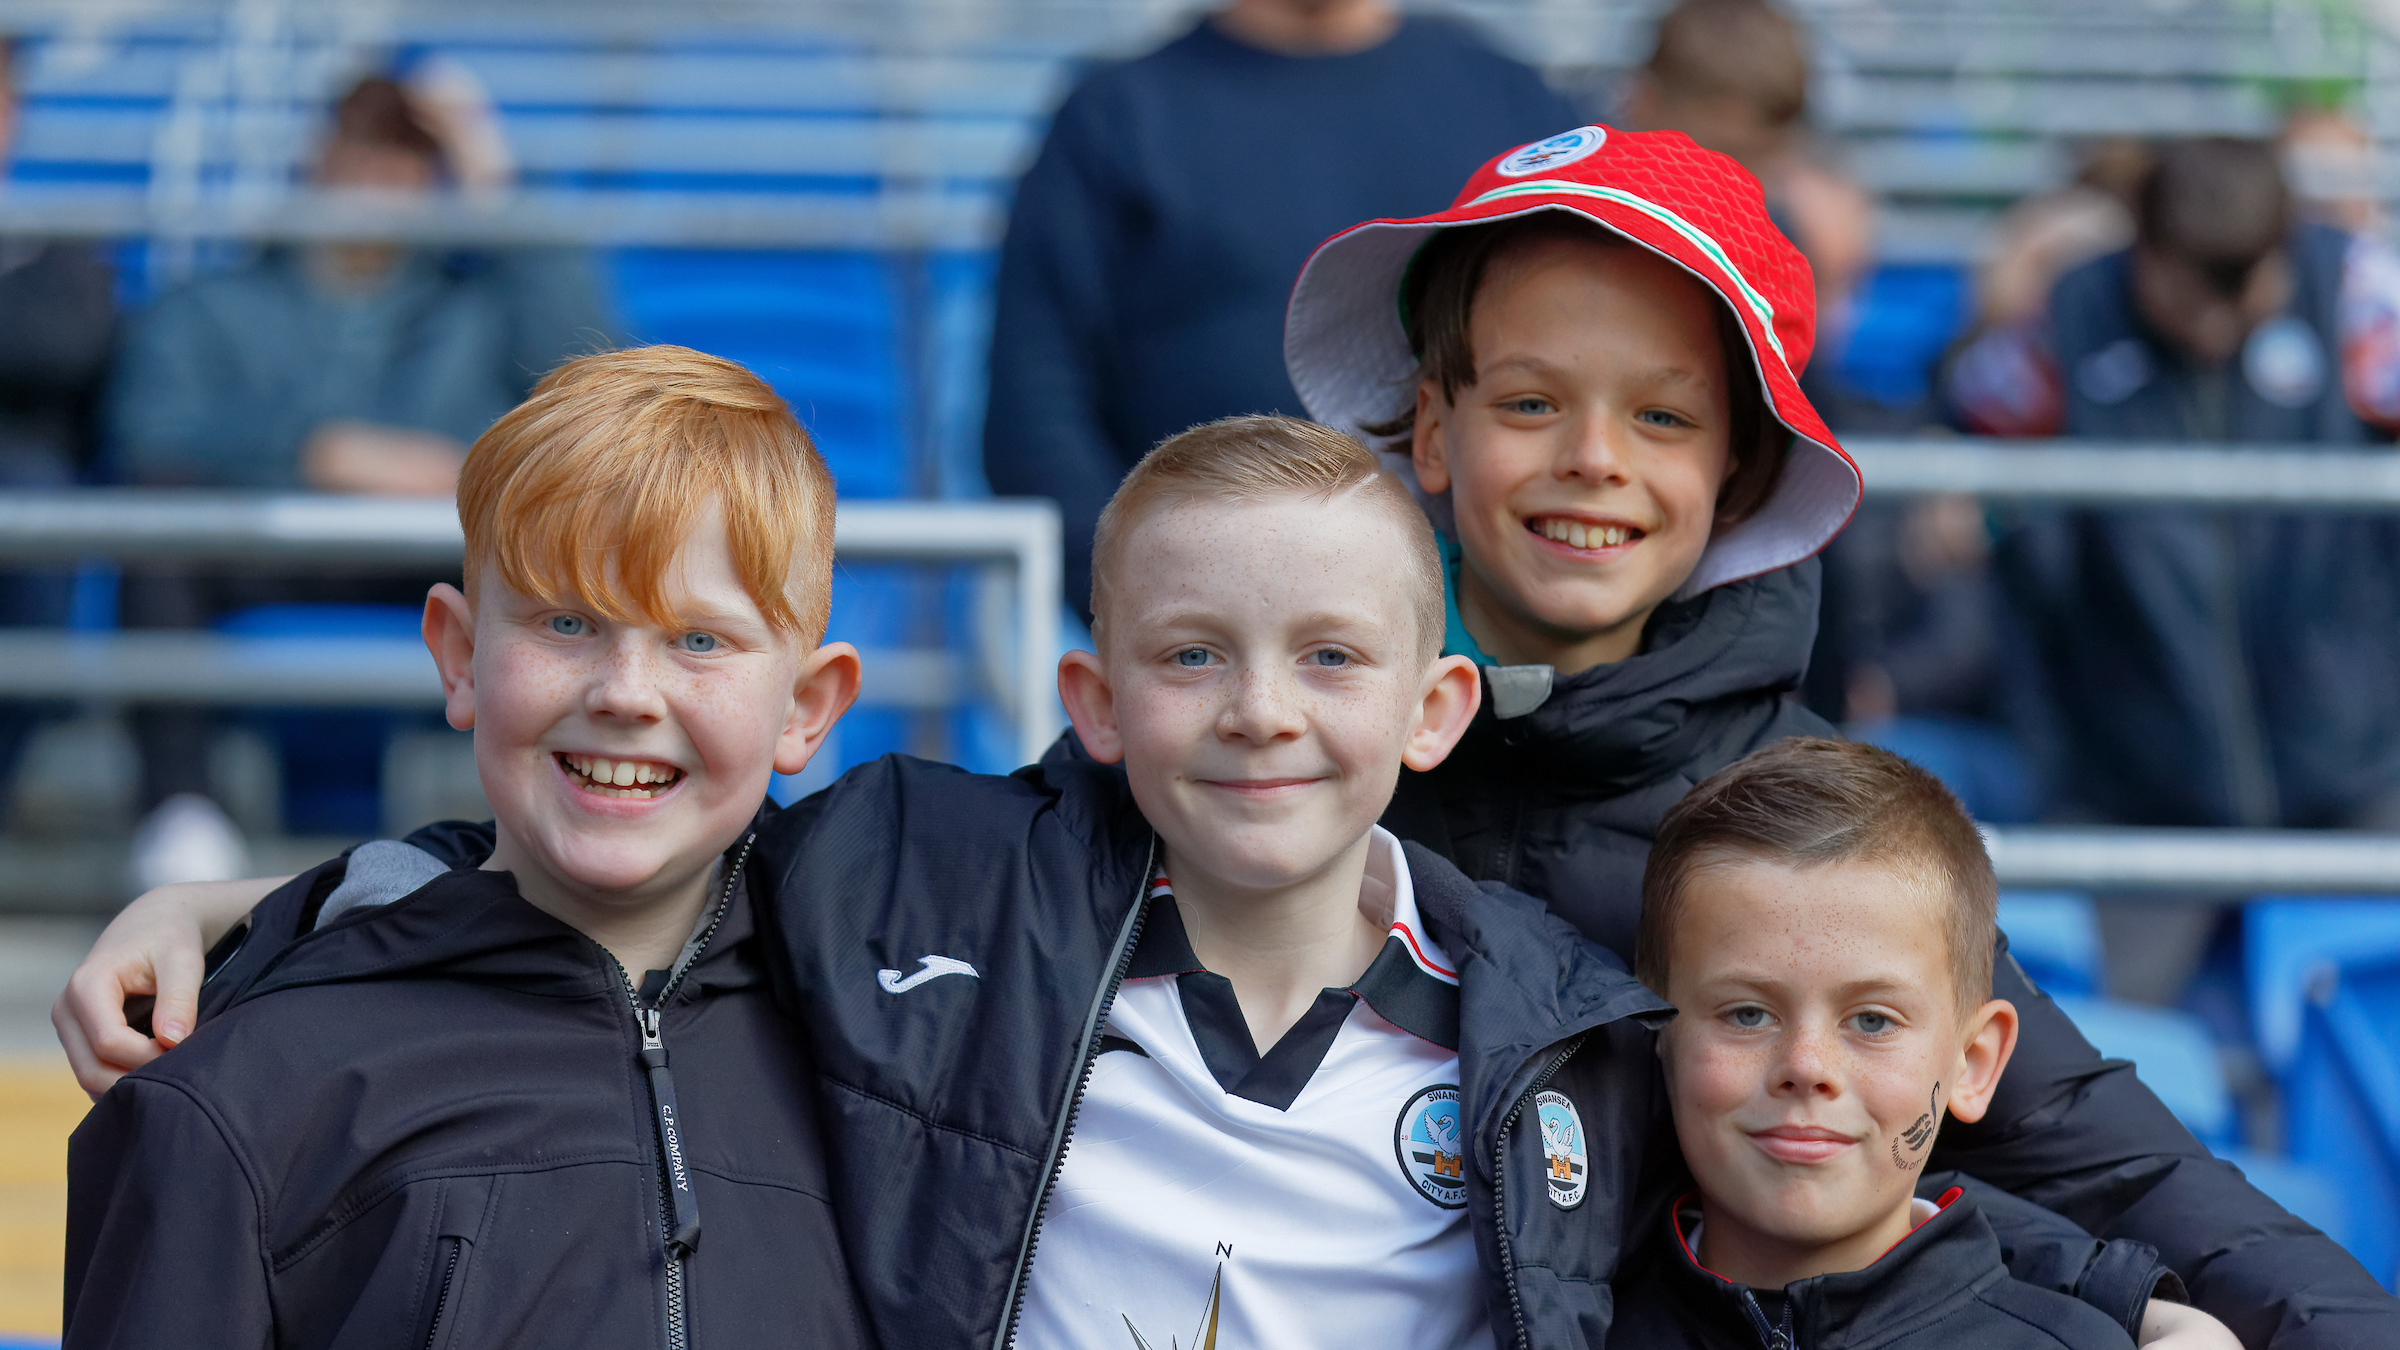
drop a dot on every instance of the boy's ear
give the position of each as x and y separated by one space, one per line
449 629
825 688
1991 1039
1453 690
1091 705
1429 447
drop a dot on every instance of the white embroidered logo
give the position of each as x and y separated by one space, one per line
935 968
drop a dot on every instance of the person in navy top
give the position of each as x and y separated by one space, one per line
1155 239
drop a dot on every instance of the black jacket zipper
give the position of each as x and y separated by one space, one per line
1770 1337
1508 1258
678 1204
441 1301
1128 936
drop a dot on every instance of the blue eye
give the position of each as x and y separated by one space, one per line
569 625
1528 407
1748 1018
1873 1023
1660 417
697 642
1332 658
1192 658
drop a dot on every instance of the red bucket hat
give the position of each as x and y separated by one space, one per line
1347 348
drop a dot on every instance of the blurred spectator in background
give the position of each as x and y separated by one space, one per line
1154 242
58 320
2210 668
339 366
2329 159
1733 76
1908 647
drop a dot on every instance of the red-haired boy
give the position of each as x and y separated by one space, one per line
508 1108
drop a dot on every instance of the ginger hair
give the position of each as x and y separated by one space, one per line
1257 458
589 488
1807 801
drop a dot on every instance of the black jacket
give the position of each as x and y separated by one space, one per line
430 1124
948 1107
2212 667
1563 801
1943 1287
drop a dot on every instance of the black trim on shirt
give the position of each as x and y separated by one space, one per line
1393 985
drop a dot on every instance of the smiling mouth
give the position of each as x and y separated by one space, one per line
1258 784
1801 1143
1582 534
636 778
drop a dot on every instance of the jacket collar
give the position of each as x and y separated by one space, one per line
1944 1262
471 924
1527 981
1703 666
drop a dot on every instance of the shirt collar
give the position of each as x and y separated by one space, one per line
1411 983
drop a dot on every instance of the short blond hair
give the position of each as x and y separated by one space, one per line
1249 459
591 485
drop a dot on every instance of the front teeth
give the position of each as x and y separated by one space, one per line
622 777
1579 535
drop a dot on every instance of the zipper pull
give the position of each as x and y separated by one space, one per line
686 1238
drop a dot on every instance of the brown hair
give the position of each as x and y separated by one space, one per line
1733 49
1807 801
1248 459
378 111
1437 301
2217 202
590 486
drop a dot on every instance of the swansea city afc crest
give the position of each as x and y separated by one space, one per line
1426 1140
1565 1165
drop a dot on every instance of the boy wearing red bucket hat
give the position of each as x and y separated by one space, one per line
1587 370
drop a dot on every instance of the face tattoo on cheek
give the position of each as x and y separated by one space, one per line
1918 1134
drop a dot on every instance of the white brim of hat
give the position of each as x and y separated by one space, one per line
1347 354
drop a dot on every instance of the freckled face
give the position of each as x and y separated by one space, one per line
1584 462
1266 676
616 755
1815 1017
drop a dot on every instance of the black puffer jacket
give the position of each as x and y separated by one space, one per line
1562 803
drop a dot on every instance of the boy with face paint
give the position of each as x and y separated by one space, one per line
1587 370
1817 914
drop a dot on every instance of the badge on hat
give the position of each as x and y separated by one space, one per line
1565 1167
1556 152
1426 1139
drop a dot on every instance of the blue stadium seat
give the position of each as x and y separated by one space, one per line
2341 1095
2292 942
332 758
2173 1056
822 328
2055 936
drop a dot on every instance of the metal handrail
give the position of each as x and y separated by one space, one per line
2132 473
2195 864
268 530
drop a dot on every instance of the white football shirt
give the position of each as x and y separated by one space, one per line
1214 1198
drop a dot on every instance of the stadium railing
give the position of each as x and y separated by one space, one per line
278 531
2201 864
